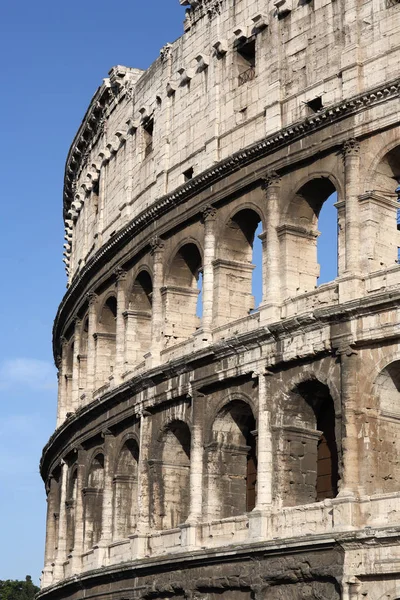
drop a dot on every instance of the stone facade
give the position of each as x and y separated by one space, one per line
234 452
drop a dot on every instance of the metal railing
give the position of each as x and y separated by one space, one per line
247 76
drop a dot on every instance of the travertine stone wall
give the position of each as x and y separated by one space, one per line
206 446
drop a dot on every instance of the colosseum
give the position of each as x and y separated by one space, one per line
209 448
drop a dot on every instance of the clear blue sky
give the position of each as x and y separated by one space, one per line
53 57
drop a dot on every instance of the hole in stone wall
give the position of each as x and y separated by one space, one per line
315 105
188 174
148 130
246 61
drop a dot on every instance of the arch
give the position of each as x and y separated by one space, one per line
233 268
382 211
180 293
138 319
232 462
106 340
174 496
93 501
125 483
299 234
384 447
309 455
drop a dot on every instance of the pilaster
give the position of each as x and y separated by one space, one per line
271 247
209 218
157 250
91 353
120 326
62 527
75 365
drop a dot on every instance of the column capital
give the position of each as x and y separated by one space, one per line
91 298
350 147
120 274
208 213
106 433
77 321
270 179
157 244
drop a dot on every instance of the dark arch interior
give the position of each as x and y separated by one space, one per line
322 417
185 267
142 292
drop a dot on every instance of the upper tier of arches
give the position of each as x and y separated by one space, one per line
208 96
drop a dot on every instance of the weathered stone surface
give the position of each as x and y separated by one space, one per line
235 451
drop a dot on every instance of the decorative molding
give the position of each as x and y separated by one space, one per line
351 147
271 179
156 244
165 52
209 213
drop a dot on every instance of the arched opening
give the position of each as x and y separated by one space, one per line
83 349
232 462
299 237
380 213
105 341
327 242
181 294
309 457
93 502
174 496
257 261
138 320
384 450
71 507
233 269
125 490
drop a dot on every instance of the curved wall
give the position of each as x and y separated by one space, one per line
206 446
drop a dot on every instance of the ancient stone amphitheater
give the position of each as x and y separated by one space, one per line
207 448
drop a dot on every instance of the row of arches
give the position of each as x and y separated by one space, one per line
237 289
306 453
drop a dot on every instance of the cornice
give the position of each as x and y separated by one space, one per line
234 163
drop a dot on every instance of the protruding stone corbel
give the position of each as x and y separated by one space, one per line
241 35
120 274
203 60
186 75
260 22
221 48
171 88
283 8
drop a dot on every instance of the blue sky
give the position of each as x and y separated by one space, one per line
53 57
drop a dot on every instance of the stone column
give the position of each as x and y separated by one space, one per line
62 406
51 531
120 326
157 247
271 246
264 445
196 459
91 346
107 512
351 156
209 218
350 476
75 365
62 527
143 523
79 525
